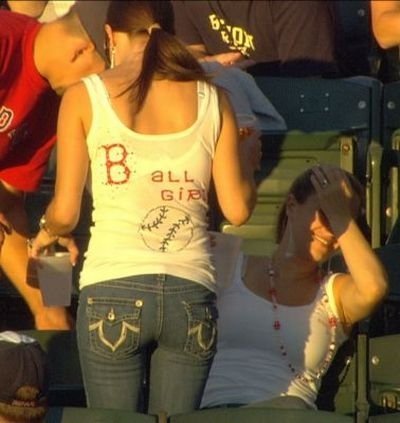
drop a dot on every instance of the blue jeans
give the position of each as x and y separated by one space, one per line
119 320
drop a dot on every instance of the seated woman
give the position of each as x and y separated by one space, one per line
282 320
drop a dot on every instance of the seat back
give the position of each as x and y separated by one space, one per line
391 155
377 364
257 415
338 388
96 415
384 374
329 122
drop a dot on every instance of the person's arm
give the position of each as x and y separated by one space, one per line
30 8
231 58
15 262
358 293
386 22
62 214
232 172
188 32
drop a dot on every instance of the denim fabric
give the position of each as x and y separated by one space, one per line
117 323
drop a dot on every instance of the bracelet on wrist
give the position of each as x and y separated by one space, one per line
43 226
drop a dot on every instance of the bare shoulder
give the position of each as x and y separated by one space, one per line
340 280
75 104
224 102
75 90
339 284
222 97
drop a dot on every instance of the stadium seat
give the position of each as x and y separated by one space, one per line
391 155
329 122
338 388
385 418
259 415
96 415
377 363
384 374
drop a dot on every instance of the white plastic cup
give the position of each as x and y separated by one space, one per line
250 133
55 279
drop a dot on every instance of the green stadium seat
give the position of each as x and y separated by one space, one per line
96 415
259 415
391 155
329 122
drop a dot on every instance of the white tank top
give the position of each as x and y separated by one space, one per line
150 194
249 365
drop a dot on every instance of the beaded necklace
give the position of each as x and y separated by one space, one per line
277 326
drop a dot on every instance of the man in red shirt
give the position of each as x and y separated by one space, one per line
37 61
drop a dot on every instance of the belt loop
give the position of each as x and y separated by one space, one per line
161 277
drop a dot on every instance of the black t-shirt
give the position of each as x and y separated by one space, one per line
291 38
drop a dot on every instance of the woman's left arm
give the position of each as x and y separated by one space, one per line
358 293
62 214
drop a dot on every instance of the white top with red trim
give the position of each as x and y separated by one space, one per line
249 365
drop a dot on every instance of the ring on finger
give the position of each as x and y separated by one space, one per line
29 242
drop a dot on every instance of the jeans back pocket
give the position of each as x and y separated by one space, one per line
202 329
114 325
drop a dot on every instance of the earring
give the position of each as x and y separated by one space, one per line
290 245
112 57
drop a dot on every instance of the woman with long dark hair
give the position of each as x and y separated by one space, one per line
282 319
150 132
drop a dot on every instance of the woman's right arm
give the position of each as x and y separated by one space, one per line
62 214
232 171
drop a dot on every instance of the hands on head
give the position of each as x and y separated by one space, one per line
337 200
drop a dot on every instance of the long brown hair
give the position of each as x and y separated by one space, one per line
165 57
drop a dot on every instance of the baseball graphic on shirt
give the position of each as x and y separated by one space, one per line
166 229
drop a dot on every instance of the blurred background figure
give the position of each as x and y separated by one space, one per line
38 61
55 9
386 22
276 38
43 10
385 18
22 379
27 7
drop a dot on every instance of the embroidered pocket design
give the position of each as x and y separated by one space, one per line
114 326
202 329
123 334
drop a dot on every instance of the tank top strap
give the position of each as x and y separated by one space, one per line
97 90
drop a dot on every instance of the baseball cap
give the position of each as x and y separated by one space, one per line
22 364
92 14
